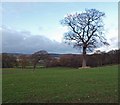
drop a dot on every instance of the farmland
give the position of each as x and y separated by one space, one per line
60 85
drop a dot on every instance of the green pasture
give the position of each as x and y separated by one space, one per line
60 85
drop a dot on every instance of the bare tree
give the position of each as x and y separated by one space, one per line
86 31
23 61
37 56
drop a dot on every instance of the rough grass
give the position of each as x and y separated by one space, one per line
60 85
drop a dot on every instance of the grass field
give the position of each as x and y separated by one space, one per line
60 85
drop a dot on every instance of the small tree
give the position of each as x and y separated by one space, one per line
86 31
23 61
39 56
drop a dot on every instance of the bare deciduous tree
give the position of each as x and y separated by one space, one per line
86 31
23 61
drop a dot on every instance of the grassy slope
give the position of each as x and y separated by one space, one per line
60 85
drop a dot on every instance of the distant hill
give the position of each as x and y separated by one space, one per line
55 55
15 54
51 54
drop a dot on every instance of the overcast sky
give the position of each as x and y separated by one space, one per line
33 26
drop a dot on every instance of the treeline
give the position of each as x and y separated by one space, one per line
65 60
93 60
110 58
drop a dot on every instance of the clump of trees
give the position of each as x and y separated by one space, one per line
71 60
53 62
9 61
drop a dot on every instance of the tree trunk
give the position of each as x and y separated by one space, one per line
84 57
34 66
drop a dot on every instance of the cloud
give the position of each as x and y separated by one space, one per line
24 42
114 44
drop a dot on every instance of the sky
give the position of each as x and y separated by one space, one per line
32 26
